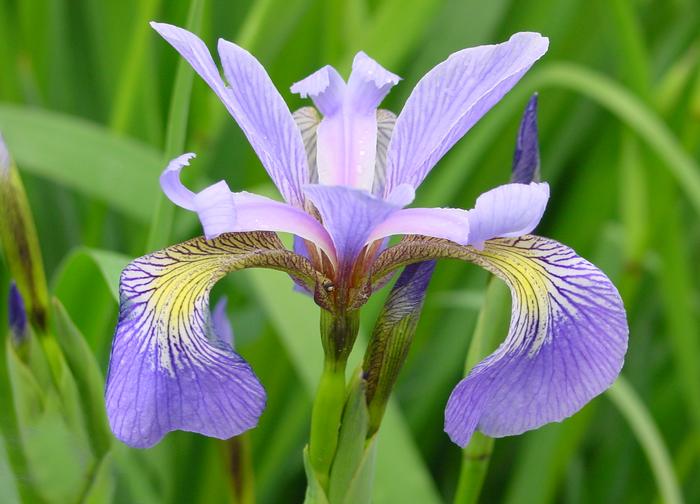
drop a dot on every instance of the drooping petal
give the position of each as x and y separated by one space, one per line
526 160
347 135
450 99
448 223
349 215
167 370
254 103
566 342
221 325
507 211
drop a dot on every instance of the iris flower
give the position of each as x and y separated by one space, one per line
347 173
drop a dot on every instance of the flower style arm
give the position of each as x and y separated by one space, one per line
170 369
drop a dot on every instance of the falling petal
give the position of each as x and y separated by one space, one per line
566 343
167 372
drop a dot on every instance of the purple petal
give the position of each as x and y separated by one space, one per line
449 223
507 211
254 103
16 313
526 160
450 99
349 215
566 342
167 371
221 325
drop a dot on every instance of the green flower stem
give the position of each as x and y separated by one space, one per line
241 469
338 333
475 464
491 325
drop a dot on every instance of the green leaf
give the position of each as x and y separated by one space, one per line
87 375
58 459
314 490
162 221
360 488
8 483
85 157
642 423
351 446
101 490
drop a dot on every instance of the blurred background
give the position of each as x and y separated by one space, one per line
93 103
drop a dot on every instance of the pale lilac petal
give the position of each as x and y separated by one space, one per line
325 87
221 325
507 211
349 215
368 84
566 343
347 136
255 104
526 160
450 99
448 223
167 371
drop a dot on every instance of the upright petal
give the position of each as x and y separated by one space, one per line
254 103
368 84
347 135
168 371
450 99
349 215
507 211
325 87
566 342
526 160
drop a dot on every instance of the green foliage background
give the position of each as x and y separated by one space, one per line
91 112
